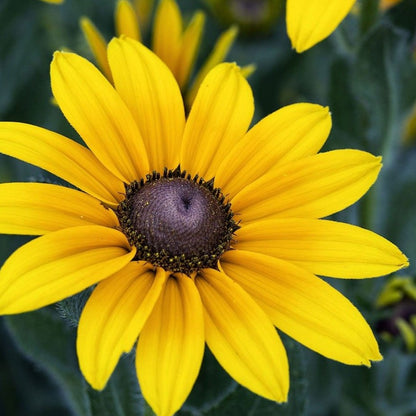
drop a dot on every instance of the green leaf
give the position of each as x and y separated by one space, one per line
49 342
215 393
45 339
384 82
121 396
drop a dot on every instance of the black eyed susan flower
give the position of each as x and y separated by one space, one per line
175 45
195 231
308 21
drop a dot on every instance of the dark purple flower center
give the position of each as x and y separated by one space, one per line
177 222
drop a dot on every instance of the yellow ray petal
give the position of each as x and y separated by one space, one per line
153 97
242 338
323 247
126 20
98 46
310 21
312 187
60 264
167 33
171 346
113 318
38 208
143 10
190 42
62 157
288 134
53 1
217 55
99 115
219 118
304 306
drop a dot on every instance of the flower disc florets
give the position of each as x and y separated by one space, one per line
176 221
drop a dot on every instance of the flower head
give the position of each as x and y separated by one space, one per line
175 45
194 230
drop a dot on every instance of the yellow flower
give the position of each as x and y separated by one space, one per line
219 250
310 21
53 1
176 46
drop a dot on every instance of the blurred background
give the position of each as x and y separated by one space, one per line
366 73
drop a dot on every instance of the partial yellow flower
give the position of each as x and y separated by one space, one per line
387 4
398 300
175 44
195 231
310 21
53 1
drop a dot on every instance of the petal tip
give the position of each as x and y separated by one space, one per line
84 22
405 262
55 55
376 357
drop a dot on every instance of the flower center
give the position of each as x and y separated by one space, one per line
177 222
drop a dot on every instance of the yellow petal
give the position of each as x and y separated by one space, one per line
60 264
126 21
167 33
62 157
310 21
153 97
304 307
327 248
219 118
217 55
312 187
286 135
98 46
143 10
190 42
171 346
99 115
38 208
113 318
242 338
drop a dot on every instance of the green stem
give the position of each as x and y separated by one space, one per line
344 46
368 15
391 132
366 209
